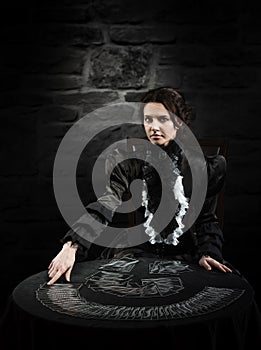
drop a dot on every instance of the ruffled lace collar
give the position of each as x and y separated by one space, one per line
174 152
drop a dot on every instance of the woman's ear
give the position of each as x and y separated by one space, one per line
177 123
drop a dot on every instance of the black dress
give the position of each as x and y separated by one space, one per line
205 237
146 295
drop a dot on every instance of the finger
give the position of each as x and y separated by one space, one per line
221 268
55 278
53 270
68 274
50 271
206 265
226 268
53 273
51 264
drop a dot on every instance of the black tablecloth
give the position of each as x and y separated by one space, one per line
131 303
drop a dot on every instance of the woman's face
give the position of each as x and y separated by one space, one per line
159 127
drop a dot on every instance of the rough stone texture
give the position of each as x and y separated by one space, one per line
88 101
142 34
53 82
120 68
134 96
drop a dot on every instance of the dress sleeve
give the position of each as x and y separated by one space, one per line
209 234
101 210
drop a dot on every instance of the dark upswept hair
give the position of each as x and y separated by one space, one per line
172 100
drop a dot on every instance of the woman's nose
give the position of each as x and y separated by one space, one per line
155 126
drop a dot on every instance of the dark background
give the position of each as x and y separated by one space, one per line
63 59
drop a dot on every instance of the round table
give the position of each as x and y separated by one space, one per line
136 302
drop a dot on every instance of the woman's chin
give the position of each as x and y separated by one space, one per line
157 141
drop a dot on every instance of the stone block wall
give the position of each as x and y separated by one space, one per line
63 59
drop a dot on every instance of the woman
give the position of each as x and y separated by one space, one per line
164 114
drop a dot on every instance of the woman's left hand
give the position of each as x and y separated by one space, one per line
208 263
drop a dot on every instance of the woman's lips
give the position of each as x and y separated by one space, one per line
155 136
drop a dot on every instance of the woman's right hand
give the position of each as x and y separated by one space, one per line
62 263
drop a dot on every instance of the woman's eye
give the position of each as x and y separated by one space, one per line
148 119
163 119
